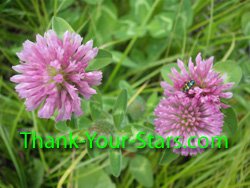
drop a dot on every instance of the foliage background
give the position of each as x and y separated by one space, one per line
143 36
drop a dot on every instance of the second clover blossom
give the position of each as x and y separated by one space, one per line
52 74
181 116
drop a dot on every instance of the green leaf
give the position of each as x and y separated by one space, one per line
135 128
108 102
230 71
166 70
62 126
73 17
127 28
115 159
230 122
187 13
60 26
63 4
103 59
167 157
155 48
103 125
137 108
161 25
125 161
37 173
140 9
92 176
19 169
72 123
93 2
141 170
84 123
105 20
123 84
3 5
117 56
152 101
93 152
183 11
245 23
120 107
96 107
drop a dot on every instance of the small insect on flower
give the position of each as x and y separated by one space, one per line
188 85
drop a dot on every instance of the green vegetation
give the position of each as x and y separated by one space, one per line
144 38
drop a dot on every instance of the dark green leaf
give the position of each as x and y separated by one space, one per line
62 126
187 13
141 169
120 107
167 157
161 25
137 108
230 122
93 2
37 173
117 56
108 102
125 85
140 9
152 101
115 158
92 176
93 152
84 122
127 28
96 106
63 4
72 123
155 48
245 23
106 20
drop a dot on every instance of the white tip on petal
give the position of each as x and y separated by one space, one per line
89 43
180 63
198 58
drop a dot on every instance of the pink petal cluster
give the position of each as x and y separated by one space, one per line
52 74
185 117
209 85
196 112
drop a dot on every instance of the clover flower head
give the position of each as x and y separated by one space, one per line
181 116
53 74
209 85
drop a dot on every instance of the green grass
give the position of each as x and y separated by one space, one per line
140 46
